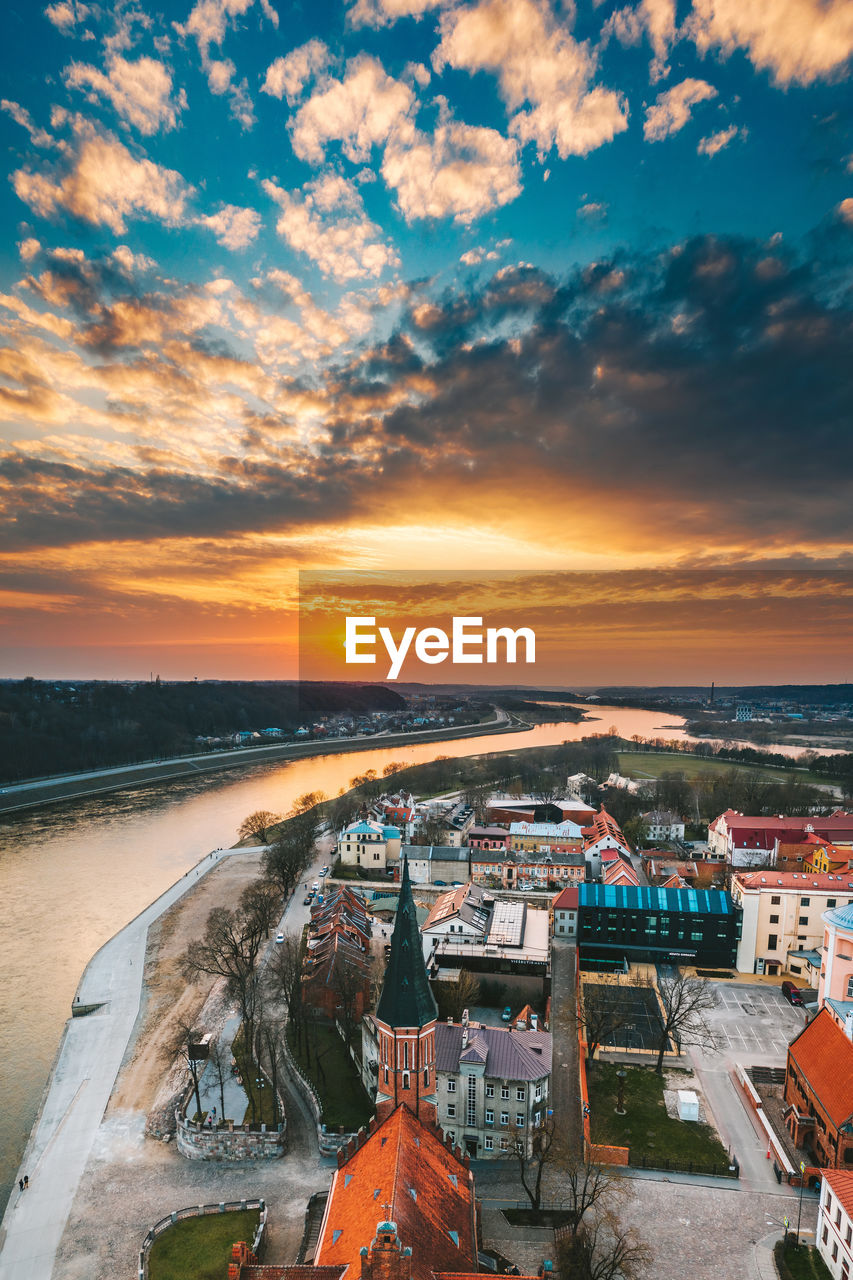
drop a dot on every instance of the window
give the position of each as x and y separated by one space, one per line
504 1144
538 1094
451 1110
835 1251
848 1235
537 1119
805 902
803 920
451 1133
774 919
838 1217
845 1269
504 1091
519 1119
489 1143
426 1077
451 1086
772 941
504 1117
490 1117
471 1114
825 1235
490 1090
830 902
775 900
405 1079
519 1093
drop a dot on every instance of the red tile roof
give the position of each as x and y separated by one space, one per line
841 1186
824 1057
403 1172
566 900
827 881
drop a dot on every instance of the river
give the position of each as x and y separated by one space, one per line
73 873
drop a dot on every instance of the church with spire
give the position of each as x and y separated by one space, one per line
402 1204
401 1033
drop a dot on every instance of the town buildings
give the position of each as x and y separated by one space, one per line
663 824
564 910
745 841
834 1235
781 917
493 1085
835 991
470 928
618 925
437 864
372 845
819 1093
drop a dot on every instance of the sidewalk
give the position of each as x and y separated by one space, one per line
79 1089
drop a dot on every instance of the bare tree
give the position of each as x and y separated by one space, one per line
534 1155
285 860
588 1187
220 1060
461 994
603 1250
685 1003
602 1011
283 982
430 830
350 982
230 949
262 899
257 825
187 1045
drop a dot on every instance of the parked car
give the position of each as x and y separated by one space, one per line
792 993
307 900
316 886
506 1016
279 937
324 871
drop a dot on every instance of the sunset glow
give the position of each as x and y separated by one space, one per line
383 286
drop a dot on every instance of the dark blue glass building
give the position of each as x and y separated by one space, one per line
618 923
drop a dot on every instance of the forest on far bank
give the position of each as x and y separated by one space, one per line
49 727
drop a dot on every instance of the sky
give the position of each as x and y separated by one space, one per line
406 284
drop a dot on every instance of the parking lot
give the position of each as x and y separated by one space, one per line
754 1020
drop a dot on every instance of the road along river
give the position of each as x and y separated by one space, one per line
73 873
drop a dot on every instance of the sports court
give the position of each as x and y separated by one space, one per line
636 1009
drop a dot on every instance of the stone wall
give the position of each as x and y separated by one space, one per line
231 1142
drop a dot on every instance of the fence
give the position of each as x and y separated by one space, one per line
229 1141
201 1211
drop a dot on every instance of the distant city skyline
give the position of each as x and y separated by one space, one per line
417 283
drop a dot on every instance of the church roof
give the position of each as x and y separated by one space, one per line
406 999
404 1172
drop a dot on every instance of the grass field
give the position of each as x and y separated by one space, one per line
800 1263
332 1072
651 764
646 1129
200 1248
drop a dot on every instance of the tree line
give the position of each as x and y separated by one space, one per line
53 726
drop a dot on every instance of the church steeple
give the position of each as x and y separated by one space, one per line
405 1018
406 999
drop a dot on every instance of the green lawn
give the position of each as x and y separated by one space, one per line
331 1070
200 1248
264 1109
651 764
646 1129
800 1263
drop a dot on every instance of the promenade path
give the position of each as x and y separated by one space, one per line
79 1089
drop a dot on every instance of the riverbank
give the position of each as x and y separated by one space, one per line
72 786
80 1086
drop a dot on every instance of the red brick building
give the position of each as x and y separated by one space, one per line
819 1094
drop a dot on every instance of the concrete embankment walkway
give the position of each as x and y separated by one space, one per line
79 1089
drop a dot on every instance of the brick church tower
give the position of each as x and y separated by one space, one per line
405 1020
